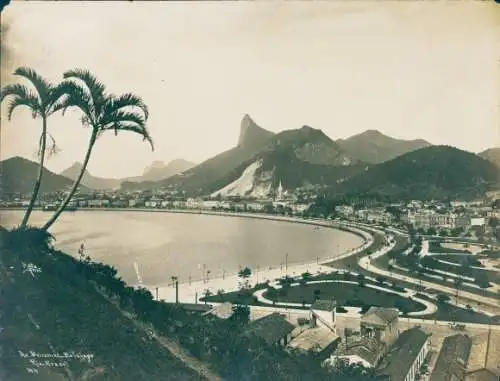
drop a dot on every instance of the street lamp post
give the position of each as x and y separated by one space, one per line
175 281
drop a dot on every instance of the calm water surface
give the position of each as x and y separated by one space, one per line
166 244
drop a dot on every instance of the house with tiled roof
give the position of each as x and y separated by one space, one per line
452 359
359 350
273 329
404 359
381 323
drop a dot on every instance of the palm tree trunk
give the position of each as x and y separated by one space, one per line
66 201
38 181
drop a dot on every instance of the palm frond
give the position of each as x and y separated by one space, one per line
60 97
31 103
123 116
132 127
16 90
41 85
116 103
77 96
96 89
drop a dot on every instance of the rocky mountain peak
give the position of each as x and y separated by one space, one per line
251 133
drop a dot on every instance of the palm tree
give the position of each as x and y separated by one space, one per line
45 100
101 112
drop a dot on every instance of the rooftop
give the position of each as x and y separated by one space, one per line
270 328
222 311
368 348
314 339
403 353
380 315
452 359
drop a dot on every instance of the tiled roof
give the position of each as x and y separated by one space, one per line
314 339
367 348
324 305
403 353
270 328
452 359
380 315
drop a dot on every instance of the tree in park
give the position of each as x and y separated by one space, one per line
101 112
245 274
43 99
442 298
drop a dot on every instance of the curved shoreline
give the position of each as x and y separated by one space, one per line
365 233
346 227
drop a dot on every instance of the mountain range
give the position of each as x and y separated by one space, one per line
299 157
373 147
18 175
492 155
435 172
158 170
367 163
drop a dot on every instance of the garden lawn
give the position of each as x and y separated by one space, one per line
351 295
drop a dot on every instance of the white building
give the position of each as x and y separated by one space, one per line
97 203
477 221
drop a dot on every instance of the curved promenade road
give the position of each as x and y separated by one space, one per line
365 264
430 308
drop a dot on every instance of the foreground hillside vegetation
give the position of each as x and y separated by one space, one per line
55 303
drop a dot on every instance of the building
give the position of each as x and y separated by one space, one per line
320 341
382 324
403 361
357 349
274 329
97 203
477 221
322 313
345 210
378 330
452 360
426 219
222 311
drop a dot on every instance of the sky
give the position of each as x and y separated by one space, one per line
412 69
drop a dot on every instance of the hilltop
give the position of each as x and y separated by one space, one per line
491 154
19 175
157 171
373 147
432 172
201 178
88 180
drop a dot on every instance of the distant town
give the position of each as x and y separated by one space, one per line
474 219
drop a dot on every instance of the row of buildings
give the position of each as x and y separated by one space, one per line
455 215
374 341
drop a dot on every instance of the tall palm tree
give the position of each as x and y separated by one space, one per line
101 112
43 100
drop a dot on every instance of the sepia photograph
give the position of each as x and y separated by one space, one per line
274 190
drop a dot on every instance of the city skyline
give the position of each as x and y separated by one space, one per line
340 67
